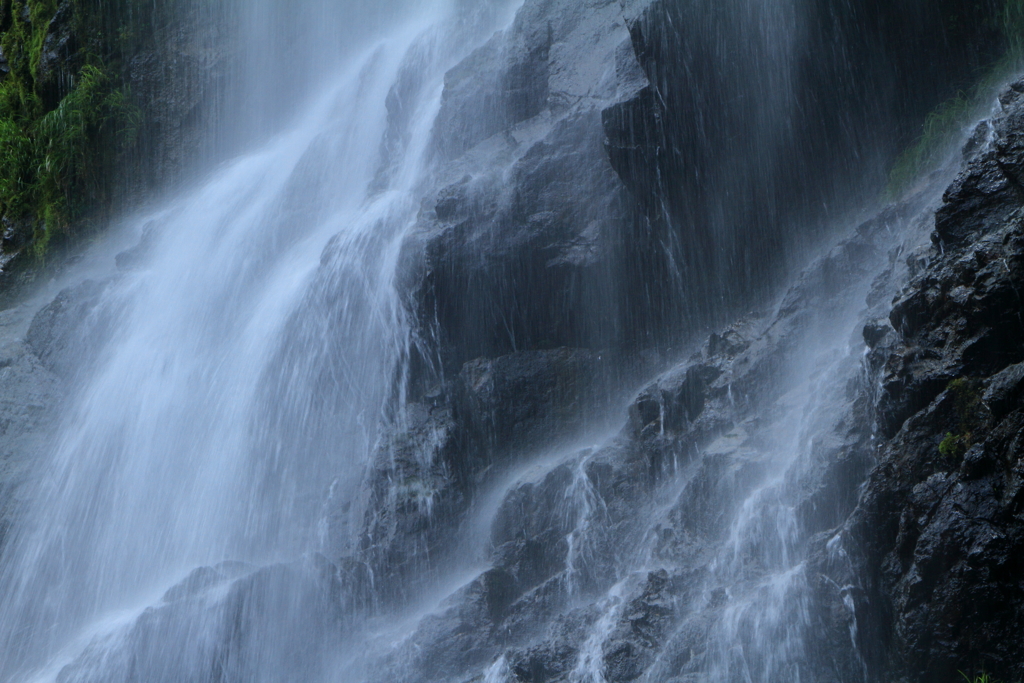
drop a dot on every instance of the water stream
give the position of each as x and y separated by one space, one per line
211 462
250 364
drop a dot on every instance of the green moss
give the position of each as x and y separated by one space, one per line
953 446
939 127
943 126
40 13
68 138
966 395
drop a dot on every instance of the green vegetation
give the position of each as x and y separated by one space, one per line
980 678
1013 27
967 401
983 678
71 147
56 159
942 126
954 446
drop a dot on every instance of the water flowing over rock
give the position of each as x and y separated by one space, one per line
531 342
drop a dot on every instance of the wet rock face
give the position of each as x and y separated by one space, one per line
990 190
561 539
428 467
525 398
536 239
28 412
961 315
687 140
587 151
177 79
234 603
41 353
68 333
913 577
59 59
519 247
940 522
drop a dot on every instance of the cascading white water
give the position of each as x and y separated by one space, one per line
251 363
209 479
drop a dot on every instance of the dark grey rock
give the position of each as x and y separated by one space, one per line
936 539
875 332
554 657
29 406
518 248
430 466
59 59
528 398
302 599
989 191
68 333
137 256
176 77
642 630
1004 390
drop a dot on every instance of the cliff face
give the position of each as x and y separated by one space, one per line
939 527
895 554
619 193
827 488
577 243
606 189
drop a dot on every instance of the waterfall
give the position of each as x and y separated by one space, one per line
251 361
415 383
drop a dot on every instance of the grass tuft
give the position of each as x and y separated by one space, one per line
967 403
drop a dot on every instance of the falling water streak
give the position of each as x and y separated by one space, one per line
586 509
590 663
158 469
497 672
838 555
761 635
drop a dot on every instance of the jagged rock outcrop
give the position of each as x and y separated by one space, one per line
508 256
562 539
68 333
428 465
519 247
940 527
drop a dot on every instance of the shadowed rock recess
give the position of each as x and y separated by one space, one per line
572 480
